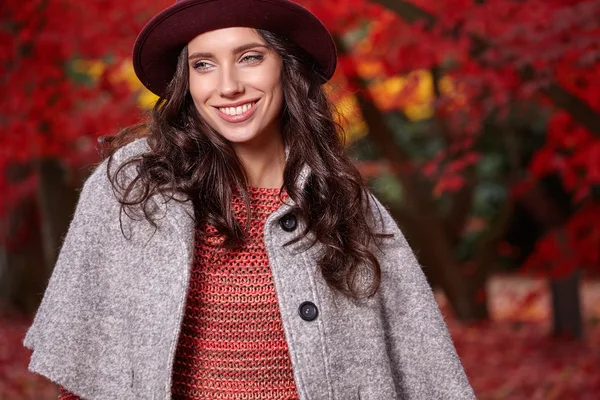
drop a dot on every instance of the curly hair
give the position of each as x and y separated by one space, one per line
189 157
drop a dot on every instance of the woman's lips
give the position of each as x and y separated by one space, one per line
239 117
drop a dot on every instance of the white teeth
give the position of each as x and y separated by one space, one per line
236 110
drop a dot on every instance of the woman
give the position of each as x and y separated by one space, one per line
233 251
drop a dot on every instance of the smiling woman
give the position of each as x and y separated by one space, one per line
228 248
235 84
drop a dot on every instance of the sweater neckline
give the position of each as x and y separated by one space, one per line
254 189
263 195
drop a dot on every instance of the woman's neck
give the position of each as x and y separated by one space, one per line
263 163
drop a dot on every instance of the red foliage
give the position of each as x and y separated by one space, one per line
49 113
498 52
495 52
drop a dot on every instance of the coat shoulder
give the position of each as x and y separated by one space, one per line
119 158
134 149
382 220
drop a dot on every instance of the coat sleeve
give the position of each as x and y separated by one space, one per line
424 360
76 301
68 307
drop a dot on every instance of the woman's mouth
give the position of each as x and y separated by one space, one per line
239 113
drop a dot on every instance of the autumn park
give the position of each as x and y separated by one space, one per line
477 124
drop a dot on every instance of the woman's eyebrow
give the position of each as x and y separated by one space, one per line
236 50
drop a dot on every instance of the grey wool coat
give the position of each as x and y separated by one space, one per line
109 322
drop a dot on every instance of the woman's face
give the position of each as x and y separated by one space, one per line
235 82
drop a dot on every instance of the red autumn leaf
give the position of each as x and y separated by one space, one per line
448 184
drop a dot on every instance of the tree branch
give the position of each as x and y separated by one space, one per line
407 11
455 220
578 109
561 97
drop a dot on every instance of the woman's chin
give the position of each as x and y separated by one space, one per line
241 138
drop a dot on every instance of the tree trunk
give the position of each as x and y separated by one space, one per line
566 306
25 269
23 274
424 228
57 200
433 250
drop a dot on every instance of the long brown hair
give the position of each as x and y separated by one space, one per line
189 157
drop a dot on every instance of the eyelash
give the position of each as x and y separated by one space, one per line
252 58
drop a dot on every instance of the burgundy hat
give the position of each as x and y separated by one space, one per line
159 43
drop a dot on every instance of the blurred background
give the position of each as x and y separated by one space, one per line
477 122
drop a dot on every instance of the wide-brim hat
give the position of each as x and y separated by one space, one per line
160 42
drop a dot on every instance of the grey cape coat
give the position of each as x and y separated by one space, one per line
109 322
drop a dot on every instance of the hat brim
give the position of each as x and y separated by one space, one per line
159 43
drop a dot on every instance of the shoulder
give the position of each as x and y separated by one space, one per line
133 149
124 155
383 221
117 164
99 196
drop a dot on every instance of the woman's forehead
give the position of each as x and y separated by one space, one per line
224 39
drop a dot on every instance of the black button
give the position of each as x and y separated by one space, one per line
308 311
288 222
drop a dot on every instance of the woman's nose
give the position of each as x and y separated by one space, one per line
229 84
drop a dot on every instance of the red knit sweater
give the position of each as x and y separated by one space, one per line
232 344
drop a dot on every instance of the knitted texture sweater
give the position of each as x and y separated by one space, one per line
232 344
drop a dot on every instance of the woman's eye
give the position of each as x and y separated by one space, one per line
252 58
201 65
